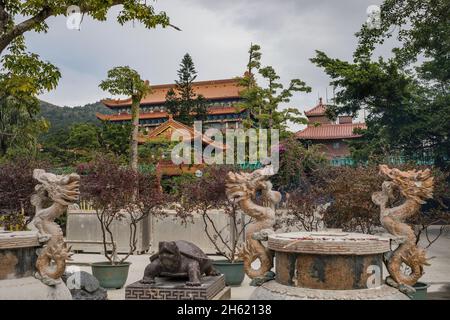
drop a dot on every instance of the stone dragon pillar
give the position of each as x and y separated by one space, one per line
415 186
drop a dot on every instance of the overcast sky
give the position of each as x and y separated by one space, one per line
216 33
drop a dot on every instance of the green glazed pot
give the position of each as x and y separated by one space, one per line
233 272
421 291
111 276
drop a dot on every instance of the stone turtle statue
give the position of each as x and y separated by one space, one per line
179 259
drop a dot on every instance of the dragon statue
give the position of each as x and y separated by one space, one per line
52 196
242 188
415 186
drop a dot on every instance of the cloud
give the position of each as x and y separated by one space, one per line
216 33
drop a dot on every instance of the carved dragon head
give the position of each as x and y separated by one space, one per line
416 185
243 185
63 189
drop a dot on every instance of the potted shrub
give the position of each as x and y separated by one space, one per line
118 193
204 195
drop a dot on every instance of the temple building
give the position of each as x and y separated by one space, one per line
332 136
165 166
221 96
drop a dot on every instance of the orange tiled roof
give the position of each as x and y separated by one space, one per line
318 110
127 116
330 131
170 125
159 114
211 90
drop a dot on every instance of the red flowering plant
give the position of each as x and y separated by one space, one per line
206 196
117 192
16 187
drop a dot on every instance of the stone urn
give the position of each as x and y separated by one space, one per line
328 265
18 256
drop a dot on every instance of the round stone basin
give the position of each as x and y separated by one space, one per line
329 260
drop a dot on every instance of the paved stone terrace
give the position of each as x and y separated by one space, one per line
438 274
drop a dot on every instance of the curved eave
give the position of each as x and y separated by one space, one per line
158 115
126 117
329 138
127 102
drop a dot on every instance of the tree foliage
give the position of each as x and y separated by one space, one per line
111 188
297 163
23 76
81 142
127 81
406 96
18 17
17 186
63 117
263 104
340 197
202 196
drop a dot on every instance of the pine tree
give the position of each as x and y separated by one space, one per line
182 102
186 76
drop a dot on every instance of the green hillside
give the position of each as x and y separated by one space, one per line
64 117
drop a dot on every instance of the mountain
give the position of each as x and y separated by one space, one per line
64 117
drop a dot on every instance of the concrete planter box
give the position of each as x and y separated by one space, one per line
170 228
83 233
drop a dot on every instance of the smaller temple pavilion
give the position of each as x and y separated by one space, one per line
165 131
332 136
221 97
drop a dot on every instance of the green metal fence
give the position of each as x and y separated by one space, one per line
392 160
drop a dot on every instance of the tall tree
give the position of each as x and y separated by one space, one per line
126 81
182 102
406 96
264 103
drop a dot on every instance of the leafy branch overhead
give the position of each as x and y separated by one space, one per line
36 12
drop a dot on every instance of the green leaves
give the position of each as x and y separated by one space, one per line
136 10
33 14
421 28
125 81
263 103
25 72
23 76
